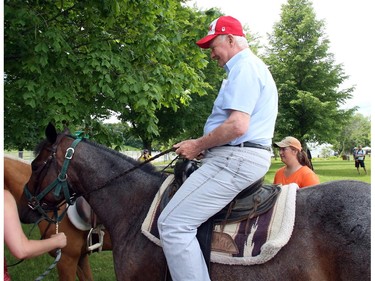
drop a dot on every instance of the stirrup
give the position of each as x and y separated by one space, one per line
98 231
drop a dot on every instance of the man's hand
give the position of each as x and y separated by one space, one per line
188 149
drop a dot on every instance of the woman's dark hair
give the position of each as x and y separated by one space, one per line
303 159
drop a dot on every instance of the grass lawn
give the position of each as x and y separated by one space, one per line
102 263
329 170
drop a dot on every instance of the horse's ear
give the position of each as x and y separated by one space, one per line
51 133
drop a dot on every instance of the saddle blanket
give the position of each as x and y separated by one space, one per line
256 241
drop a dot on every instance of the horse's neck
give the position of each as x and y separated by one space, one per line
108 181
122 204
16 175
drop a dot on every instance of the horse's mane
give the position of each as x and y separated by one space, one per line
146 167
12 157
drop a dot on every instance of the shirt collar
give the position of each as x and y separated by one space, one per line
237 57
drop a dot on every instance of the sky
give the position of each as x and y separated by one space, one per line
349 25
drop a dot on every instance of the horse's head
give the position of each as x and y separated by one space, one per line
48 185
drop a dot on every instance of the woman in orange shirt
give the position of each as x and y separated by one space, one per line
297 167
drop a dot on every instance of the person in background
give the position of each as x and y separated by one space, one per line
354 152
297 167
360 159
144 156
236 148
17 242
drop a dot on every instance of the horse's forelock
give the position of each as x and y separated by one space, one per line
38 148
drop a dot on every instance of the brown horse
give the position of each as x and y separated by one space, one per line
330 240
74 259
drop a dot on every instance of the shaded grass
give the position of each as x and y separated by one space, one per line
102 263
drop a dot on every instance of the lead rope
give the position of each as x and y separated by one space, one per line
52 266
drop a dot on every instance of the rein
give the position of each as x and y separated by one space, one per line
60 184
132 169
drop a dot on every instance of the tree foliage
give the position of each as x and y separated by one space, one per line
77 61
188 121
357 131
307 77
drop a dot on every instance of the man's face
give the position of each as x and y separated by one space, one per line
220 49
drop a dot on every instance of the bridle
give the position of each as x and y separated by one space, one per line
59 185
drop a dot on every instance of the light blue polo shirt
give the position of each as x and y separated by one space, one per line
249 88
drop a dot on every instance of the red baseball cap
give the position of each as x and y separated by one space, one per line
222 25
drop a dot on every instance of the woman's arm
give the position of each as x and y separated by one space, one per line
19 245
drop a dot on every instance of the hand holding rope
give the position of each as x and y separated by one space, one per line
57 259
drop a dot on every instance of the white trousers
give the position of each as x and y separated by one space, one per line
225 172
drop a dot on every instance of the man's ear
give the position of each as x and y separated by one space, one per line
230 39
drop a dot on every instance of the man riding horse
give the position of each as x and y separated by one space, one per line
236 148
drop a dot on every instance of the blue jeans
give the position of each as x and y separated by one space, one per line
225 172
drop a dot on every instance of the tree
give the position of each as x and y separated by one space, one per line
306 76
188 120
77 61
356 131
45 64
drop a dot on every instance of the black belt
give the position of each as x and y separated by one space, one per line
250 144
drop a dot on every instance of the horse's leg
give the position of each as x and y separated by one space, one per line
78 250
107 243
84 272
67 268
